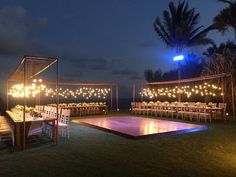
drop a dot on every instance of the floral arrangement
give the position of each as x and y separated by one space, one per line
31 110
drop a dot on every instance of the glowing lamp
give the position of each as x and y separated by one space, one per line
178 58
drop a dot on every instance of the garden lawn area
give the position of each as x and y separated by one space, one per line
92 152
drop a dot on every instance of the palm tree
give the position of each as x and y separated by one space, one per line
179 28
221 59
227 17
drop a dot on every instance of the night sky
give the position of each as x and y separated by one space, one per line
95 40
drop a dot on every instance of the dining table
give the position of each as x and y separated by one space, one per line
81 108
18 122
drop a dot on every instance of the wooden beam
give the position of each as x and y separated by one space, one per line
80 83
40 58
57 97
117 98
141 92
134 92
111 99
189 80
24 114
7 96
52 60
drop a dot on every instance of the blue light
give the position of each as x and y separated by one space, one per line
178 58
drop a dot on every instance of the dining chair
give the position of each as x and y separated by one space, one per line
204 114
180 111
192 113
63 125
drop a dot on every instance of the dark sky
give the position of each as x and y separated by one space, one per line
96 40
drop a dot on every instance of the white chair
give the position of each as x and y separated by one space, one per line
46 111
156 110
97 109
204 114
162 110
133 108
153 109
49 112
63 125
180 111
192 113
171 111
138 108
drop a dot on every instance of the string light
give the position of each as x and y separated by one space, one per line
187 90
84 92
20 91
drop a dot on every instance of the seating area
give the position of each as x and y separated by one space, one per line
42 118
82 108
184 110
39 120
63 119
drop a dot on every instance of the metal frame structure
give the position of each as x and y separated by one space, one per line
22 74
99 84
222 77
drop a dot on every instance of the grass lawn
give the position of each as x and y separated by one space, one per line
92 152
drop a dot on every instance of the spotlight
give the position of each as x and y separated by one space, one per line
178 58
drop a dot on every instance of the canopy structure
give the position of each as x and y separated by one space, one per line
222 77
196 79
93 84
31 66
28 68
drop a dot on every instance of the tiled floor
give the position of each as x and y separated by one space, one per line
137 127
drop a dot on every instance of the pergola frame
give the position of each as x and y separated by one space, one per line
94 84
22 75
222 76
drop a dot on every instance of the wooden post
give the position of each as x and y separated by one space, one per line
7 96
39 99
111 99
24 114
179 77
134 93
223 89
36 99
232 95
141 92
57 97
117 98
